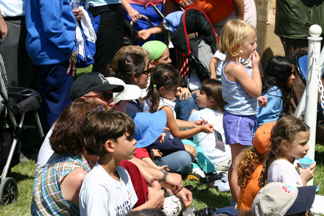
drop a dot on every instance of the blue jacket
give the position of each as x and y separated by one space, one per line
274 108
50 31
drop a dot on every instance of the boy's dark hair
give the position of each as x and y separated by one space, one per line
99 126
286 128
213 90
66 136
162 75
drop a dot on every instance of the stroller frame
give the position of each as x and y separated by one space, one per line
29 101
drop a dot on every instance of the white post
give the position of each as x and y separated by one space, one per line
313 65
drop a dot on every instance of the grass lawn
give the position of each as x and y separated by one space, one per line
24 174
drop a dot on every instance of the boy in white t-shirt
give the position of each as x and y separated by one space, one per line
107 189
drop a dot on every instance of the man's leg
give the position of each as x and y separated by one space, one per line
56 86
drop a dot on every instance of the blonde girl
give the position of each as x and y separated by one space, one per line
241 88
164 86
289 139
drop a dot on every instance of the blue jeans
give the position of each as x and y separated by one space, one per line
183 108
178 162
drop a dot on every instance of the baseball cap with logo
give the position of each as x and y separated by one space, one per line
277 198
93 81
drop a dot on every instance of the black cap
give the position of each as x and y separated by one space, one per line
93 81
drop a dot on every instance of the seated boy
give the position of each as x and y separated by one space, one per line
107 189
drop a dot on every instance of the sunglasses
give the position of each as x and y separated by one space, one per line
147 72
103 96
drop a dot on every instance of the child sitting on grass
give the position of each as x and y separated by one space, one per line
108 189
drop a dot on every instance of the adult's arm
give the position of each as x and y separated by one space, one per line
173 180
54 27
239 8
133 14
3 27
71 185
169 7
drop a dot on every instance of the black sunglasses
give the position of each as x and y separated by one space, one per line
106 96
147 72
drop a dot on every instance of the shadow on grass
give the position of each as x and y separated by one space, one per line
21 177
210 197
319 156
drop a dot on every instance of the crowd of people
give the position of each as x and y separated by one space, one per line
120 139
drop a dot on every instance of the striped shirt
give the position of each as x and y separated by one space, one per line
239 101
47 195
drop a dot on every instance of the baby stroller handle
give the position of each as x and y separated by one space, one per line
143 17
146 4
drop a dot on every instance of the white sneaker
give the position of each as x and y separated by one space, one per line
222 186
172 205
198 171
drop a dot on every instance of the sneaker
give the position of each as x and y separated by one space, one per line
172 205
198 171
222 186
23 158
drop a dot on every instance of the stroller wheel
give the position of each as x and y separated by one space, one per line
8 191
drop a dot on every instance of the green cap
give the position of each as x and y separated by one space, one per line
155 48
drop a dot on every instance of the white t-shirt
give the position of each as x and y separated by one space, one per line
100 194
283 171
12 8
207 141
46 151
219 64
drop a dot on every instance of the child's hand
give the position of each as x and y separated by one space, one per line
161 137
262 101
191 150
155 198
184 93
186 196
255 59
165 167
307 173
155 153
207 128
199 122
213 76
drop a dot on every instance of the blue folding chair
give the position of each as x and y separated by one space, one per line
300 60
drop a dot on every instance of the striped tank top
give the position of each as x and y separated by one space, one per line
239 101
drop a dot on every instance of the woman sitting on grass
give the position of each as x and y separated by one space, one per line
57 184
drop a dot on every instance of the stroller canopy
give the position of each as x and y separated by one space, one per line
193 20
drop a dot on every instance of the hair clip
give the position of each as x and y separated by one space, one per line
99 108
154 86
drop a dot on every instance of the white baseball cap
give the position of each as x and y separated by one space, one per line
130 92
277 198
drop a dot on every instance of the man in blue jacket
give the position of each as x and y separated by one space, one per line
50 43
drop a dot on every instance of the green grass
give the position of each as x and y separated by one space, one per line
81 71
24 174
